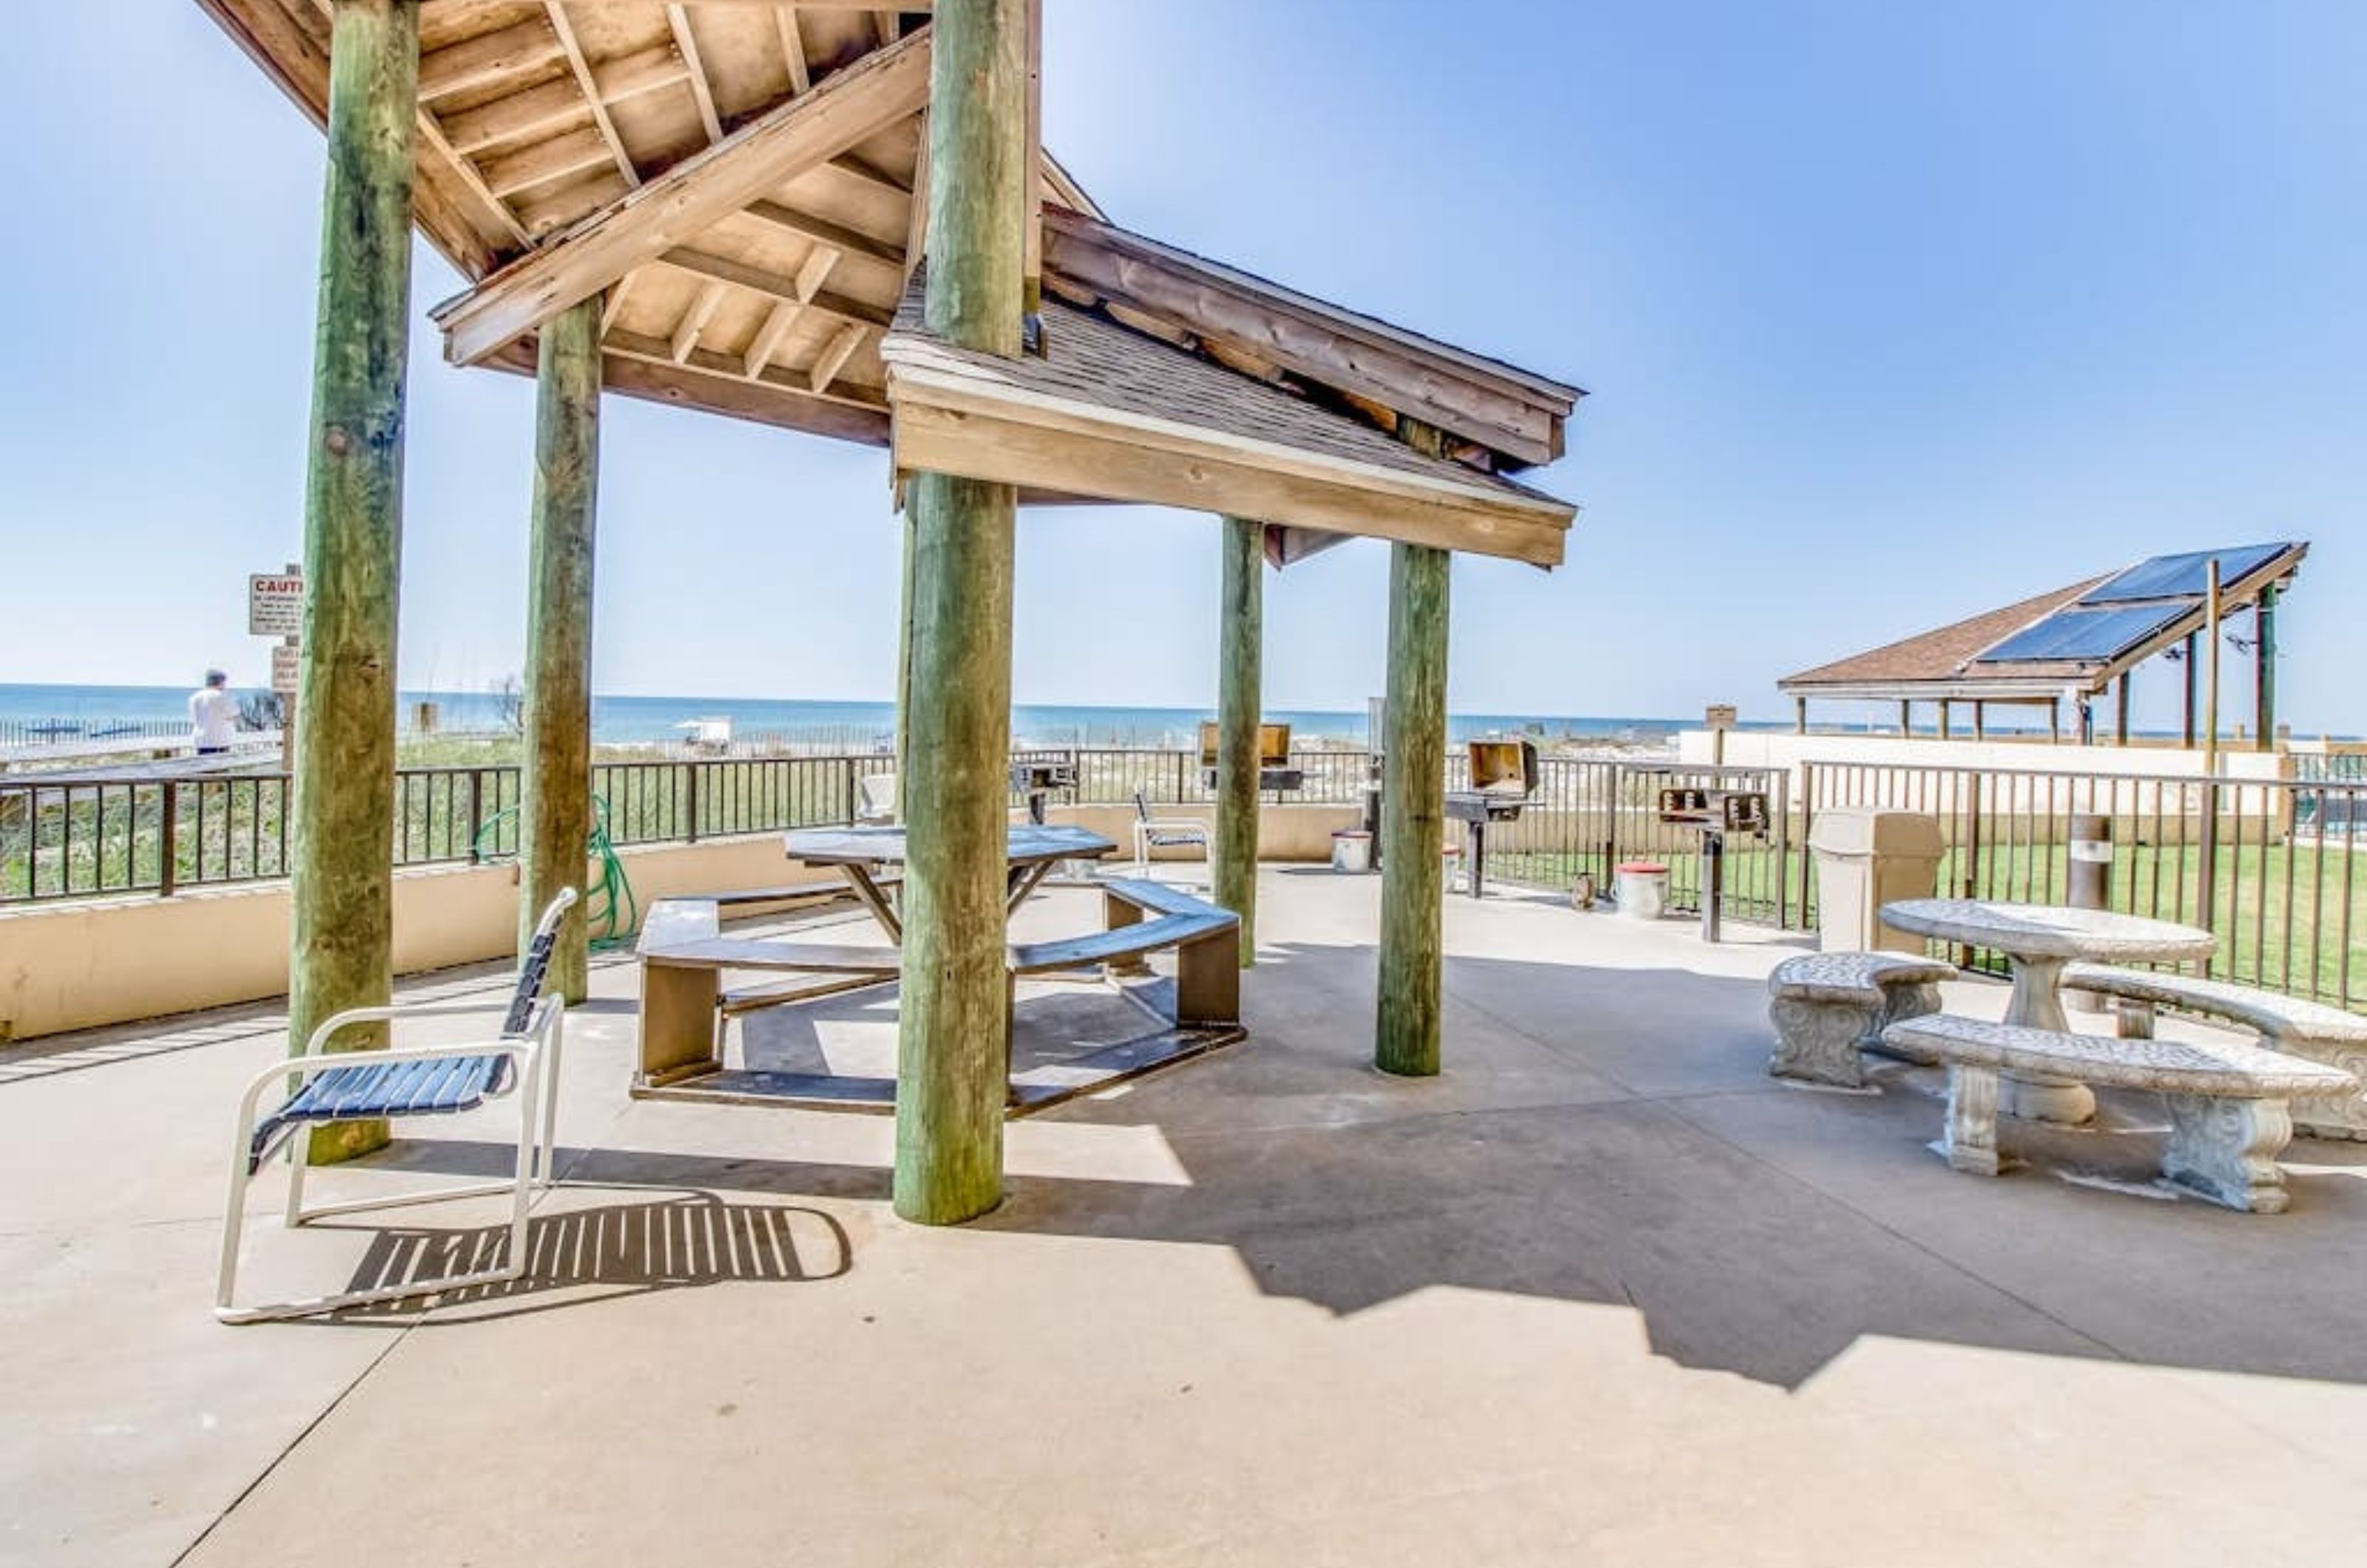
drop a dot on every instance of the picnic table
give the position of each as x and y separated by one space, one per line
2039 941
862 854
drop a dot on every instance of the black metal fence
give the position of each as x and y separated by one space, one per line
2274 868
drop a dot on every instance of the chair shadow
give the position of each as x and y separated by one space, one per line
686 1241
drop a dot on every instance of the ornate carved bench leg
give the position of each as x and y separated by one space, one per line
1970 1143
2226 1150
2332 1116
1898 1002
1817 1042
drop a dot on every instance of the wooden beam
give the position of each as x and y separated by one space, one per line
953 1017
767 342
822 231
957 423
1409 1024
703 307
813 272
725 391
513 119
487 59
581 69
613 302
632 75
890 24
546 162
555 805
875 92
1241 635
1288 547
793 51
709 362
701 88
342 888
869 175
833 357
916 223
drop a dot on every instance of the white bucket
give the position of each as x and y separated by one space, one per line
1643 890
1352 850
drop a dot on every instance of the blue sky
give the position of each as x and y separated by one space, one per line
1890 314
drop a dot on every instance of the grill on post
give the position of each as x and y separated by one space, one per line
1037 779
1715 813
1275 775
1503 777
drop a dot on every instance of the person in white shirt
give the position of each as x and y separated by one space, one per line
213 715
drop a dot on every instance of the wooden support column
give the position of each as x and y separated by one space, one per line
1906 716
954 1026
555 810
1944 707
2120 709
2054 720
1799 715
1980 719
2191 669
342 878
1413 815
1240 631
2264 671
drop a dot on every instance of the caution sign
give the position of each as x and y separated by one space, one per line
275 604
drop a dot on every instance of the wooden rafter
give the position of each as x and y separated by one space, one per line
803 289
822 231
793 51
643 71
486 58
858 102
891 24
708 362
581 69
614 305
917 227
701 88
766 344
833 357
703 307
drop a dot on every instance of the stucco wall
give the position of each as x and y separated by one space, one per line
78 965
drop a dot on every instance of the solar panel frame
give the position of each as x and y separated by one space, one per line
2186 575
2081 634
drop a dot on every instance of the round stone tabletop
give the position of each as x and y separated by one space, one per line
2049 931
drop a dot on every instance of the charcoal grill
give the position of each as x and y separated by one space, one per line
1036 780
1503 777
1275 775
1715 813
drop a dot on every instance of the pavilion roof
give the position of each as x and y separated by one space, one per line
745 185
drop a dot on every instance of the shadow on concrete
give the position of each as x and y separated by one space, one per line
577 1254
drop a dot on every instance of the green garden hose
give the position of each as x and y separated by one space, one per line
610 911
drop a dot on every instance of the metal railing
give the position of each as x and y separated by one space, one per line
2273 868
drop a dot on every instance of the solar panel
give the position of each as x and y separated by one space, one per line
2083 635
2183 576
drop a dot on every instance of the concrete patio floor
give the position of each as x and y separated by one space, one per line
1604 1293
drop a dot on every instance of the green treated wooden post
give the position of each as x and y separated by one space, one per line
1240 633
2264 671
555 813
342 892
903 667
954 1026
1414 814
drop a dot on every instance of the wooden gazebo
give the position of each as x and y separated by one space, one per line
727 205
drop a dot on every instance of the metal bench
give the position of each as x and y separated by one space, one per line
2298 1028
1827 1007
2227 1115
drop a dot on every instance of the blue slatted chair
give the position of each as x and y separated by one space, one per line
1164 833
426 1081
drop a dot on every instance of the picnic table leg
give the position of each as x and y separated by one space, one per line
1970 1141
859 878
2037 1003
678 1022
1116 913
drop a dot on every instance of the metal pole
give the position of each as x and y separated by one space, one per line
2211 679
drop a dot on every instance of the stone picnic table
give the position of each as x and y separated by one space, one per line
2038 941
861 853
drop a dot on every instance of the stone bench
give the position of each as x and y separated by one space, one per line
1826 1007
2227 1115
2288 1024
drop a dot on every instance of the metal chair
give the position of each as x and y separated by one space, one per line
1164 833
874 800
424 1081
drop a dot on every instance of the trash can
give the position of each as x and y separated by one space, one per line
1643 889
1352 851
1866 858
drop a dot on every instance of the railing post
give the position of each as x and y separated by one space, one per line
2207 892
690 802
848 762
476 812
168 870
1807 830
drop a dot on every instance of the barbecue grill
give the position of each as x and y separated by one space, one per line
1037 779
1275 772
1503 777
1715 813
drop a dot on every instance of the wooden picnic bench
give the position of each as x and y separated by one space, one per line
2299 1028
684 1002
2227 1115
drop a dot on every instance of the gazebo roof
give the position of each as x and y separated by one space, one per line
747 185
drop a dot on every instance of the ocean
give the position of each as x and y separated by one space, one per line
69 710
